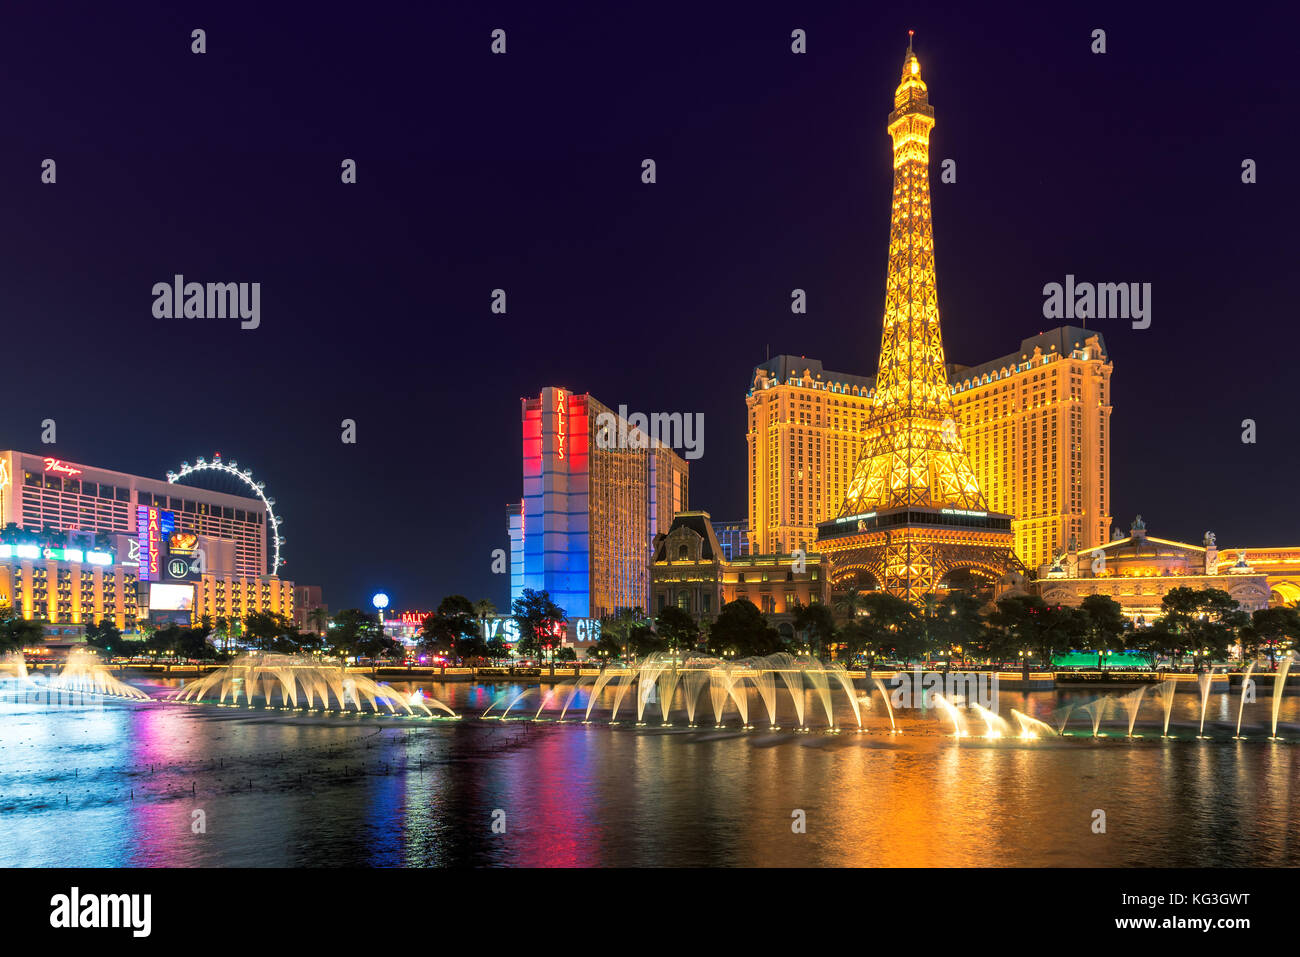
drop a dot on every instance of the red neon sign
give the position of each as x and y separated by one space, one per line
155 543
560 410
56 465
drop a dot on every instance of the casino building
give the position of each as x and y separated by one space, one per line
692 571
1035 423
593 501
80 544
1137 571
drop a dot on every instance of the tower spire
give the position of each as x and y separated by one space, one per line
913 487
913 453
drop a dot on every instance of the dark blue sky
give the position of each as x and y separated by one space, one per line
523 172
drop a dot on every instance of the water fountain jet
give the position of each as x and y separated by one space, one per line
1279 683
1097 709
1132 702
764 679
286 674
788 668
668 680
1241 705
83 672
620 692
1205 680
889 708
1168 689
948 708
815 672
837 669
1031 729
994 724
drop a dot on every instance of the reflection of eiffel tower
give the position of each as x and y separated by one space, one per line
914 511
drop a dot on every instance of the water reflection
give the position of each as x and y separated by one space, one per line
118 785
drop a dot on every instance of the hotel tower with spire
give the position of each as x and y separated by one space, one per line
914 513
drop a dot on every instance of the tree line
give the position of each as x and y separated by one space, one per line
1196 624
1200 624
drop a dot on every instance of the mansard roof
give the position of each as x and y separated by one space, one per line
699 523
1059 341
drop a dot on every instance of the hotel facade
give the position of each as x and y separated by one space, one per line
692 571
594 498
1138 570
80 544
1035 423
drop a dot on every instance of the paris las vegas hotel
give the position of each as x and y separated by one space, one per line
82 544
1035 426
1036 423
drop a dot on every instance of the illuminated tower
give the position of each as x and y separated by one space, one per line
914 512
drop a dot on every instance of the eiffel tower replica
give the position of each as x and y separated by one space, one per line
914 511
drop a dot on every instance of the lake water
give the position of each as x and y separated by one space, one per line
119 785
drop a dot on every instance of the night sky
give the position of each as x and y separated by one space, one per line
523 172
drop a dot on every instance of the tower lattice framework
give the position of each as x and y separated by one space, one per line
914 510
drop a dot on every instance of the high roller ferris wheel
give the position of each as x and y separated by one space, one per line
245 477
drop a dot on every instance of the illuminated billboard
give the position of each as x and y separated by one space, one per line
182 568
56 554
507 629
186 542
171 597
149 531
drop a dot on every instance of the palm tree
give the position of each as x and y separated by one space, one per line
850 603
319 619
483 610
618 627
930 611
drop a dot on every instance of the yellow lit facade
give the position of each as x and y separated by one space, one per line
71 593
1037 427
1280 565
1137 571
1035 424
691 571
235 598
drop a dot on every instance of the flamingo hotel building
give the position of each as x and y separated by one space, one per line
80 544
